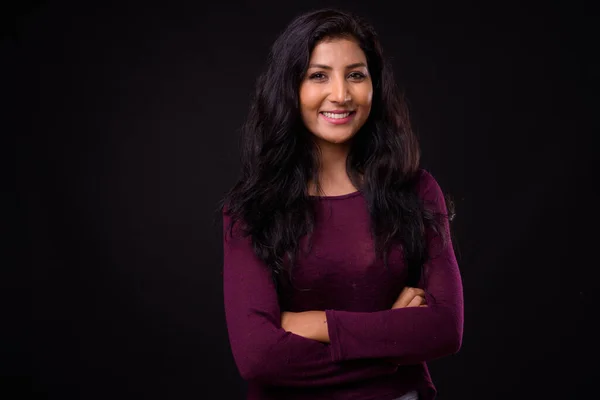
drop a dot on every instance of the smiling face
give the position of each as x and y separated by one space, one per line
337 91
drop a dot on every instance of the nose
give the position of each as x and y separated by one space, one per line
339 91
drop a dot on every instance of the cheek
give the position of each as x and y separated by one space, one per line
309 100
368 96
366 99
363 96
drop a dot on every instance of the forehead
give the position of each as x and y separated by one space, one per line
337 52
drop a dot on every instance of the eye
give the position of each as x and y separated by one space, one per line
358 76
317 76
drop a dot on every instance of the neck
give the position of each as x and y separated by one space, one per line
333 177
333 161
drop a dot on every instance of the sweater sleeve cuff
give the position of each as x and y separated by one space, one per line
334 340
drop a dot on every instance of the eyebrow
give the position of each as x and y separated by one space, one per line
323 66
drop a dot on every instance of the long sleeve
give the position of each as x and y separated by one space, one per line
409 335
262 350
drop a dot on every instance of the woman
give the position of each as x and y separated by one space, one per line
340 280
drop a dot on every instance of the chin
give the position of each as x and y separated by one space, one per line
336 140
336 136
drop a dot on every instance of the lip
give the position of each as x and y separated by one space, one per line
338 121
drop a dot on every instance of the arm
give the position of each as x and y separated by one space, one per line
414 334
313 324
261 348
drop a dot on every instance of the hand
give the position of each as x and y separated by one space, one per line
410 297
308 324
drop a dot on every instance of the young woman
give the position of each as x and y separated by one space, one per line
340 279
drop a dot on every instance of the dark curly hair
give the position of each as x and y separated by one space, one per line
279 155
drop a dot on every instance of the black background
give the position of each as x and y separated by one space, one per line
122 120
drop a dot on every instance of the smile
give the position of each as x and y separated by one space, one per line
337 117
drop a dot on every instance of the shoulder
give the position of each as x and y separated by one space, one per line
427 187
232 225
424 181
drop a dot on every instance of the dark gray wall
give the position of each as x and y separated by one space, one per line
125 118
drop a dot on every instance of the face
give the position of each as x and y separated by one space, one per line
336 93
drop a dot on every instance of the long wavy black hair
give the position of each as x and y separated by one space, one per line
279 156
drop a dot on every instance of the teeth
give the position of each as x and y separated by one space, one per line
336 116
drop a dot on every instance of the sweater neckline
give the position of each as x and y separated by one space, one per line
337 197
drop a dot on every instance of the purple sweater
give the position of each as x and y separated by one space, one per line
374 352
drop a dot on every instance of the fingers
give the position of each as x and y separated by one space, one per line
407 295
417 301
402 300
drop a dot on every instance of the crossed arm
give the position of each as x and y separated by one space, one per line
262 349
313 324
